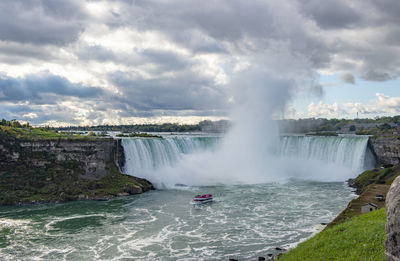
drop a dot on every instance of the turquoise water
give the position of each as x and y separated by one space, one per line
244 222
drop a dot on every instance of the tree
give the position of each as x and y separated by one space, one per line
385 126
352 128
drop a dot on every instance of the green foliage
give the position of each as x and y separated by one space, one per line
375 176
141 135
361 238
361 126
372 131
10 130
385 126
327 133
166 127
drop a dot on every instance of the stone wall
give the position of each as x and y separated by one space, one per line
392 244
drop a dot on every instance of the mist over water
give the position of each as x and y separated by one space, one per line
187 160
251 153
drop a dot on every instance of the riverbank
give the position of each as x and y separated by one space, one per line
359 238
353 235
368 185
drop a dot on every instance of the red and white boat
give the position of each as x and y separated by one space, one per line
201 199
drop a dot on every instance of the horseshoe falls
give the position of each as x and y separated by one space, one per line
251 216
177 159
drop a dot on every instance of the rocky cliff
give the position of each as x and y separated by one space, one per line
63 169
386 149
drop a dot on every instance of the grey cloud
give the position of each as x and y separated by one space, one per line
242 26
331 14
316 89
186 91
165 60
347 78
44 113
316 30
40 22
199 43
388 10
224 20
43 89
377 75
16 53
247 25
96 52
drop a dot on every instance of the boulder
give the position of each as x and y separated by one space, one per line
392 244
132 189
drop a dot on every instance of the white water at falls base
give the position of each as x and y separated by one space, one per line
197 161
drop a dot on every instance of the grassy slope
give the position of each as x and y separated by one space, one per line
360 238
369 184
375 176
354 207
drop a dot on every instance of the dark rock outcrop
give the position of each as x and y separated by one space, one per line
392 244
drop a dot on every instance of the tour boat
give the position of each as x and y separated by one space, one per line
201 199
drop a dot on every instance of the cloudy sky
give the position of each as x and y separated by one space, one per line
133 61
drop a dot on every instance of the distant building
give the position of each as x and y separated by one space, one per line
220 126
368 207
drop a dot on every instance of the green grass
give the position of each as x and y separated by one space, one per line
35 133
360 238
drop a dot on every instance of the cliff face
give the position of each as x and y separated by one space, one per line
386 149
90 155
63 169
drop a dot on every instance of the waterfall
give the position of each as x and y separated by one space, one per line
349 151
178 158
146 154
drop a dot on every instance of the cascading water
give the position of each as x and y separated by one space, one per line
176 159
147 154
348 151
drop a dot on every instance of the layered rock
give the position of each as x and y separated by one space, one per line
50 170
92 154
386 149
392 244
